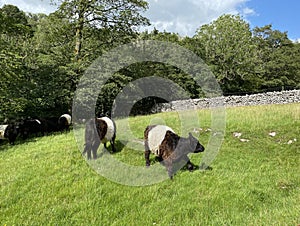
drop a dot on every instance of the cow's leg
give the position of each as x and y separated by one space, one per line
87 149
189 164
89 154
95 147
169 167
113 149
105 146
112 142
147 154
105 150
89 138
11 140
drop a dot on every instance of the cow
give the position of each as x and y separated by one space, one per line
9 132
168 147
50 124
64 122
31 127
45 125
99 130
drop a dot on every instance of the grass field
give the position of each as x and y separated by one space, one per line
45 181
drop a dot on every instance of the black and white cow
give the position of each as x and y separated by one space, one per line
9 132
49 124
99 130
45 125
31 127
169 148
64 122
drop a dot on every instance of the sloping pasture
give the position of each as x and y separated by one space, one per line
254 180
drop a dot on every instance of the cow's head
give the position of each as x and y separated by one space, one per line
195 144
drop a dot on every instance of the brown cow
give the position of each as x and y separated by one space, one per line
169 148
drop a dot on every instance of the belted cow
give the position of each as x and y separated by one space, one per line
99 130
9 132
169 148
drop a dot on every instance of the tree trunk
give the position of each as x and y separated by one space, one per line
79 32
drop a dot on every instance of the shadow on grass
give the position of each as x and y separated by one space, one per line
185 167
4 145
118 146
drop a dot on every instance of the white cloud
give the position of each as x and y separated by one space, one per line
248 12
186 16
179 16
297 40
33 6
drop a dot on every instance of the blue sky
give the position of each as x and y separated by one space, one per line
185 16
283 15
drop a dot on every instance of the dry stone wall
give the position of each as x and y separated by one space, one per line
284 97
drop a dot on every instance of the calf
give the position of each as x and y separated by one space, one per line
99 130
169 148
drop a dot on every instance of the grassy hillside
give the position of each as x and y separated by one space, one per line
45 181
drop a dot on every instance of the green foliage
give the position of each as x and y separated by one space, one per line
99 26
231 53
47 181
14 33
43 57
120 16
42 70
279 56
13 21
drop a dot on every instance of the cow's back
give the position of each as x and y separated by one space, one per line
106 128
155 137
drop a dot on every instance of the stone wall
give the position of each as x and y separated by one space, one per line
283 97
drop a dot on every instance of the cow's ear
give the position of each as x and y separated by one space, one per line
190 137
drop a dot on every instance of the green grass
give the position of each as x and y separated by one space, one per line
45 181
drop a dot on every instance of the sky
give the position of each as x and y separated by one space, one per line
186 16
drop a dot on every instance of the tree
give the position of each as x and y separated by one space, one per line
48 63
14 33
118 16
99 25
194 45
13 21
231 53
280 57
